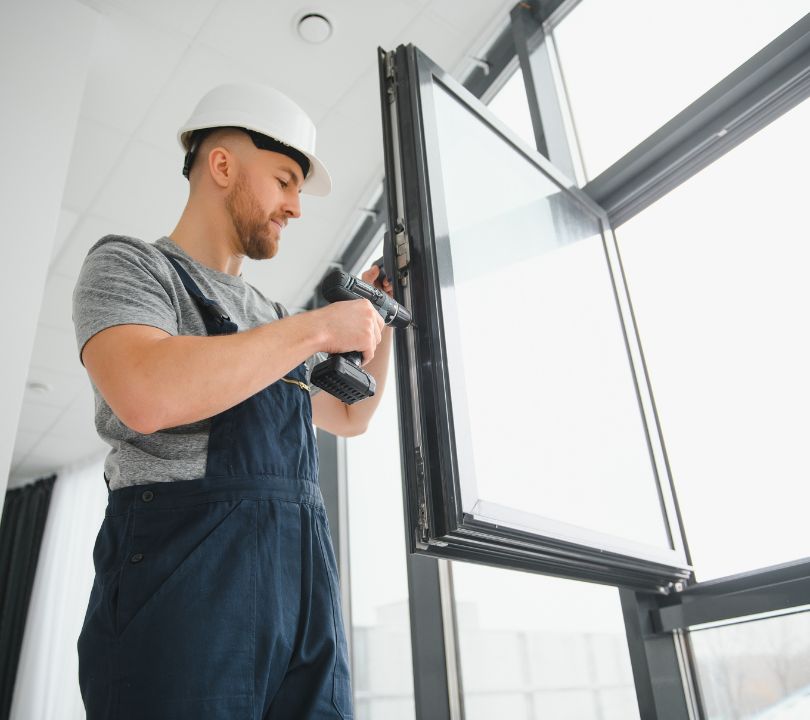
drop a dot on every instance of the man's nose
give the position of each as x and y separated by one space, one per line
292 205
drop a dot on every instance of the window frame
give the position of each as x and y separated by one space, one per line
438 499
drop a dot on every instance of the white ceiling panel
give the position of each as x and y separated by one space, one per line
67 222
472 18
61 450
79 427
96 150
48 456
130 65
350 137
145 193
438 38
201 69
87 232
35 417
63 387
55 349
264 34
23 444
57 302
84 403
184 16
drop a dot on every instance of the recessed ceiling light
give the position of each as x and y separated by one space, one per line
39 388
314 28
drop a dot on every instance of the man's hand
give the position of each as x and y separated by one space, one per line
351 325
372 277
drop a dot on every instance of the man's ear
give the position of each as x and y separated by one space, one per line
221 166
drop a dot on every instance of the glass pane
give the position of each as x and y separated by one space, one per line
535 647
632 65
718 273
381 636
758 669
538 366
511 106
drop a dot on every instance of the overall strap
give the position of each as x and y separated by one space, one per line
217 321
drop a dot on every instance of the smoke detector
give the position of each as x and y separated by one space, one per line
38 388
314 28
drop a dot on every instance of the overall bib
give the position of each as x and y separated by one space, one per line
217 598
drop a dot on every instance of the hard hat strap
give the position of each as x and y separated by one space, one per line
194 143
263 142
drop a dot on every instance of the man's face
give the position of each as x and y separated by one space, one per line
264 197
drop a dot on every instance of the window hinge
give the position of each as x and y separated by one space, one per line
421 497
403 250
390 78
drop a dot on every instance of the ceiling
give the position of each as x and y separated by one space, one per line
151 61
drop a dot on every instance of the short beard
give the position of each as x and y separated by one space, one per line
253 229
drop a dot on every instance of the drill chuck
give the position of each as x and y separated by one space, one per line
339 285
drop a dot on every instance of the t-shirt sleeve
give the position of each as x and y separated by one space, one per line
119 284
311 361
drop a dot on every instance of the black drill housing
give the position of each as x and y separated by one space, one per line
341 375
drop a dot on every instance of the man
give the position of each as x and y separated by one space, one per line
216 591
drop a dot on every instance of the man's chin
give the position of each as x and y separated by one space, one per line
266 249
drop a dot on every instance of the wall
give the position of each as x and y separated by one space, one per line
44 57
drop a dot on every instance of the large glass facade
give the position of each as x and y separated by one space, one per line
717 271
535 647
756 669
631 65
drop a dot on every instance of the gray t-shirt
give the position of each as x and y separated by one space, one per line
125 281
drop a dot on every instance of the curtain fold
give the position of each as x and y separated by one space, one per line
21 529
47 684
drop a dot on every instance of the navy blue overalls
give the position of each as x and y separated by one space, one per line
217 598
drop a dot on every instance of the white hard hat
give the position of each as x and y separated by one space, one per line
266 111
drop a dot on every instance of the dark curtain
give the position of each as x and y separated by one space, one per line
21 529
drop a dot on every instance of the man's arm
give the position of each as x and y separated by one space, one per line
336 417
153 380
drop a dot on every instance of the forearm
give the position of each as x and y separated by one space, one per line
183 379
336 417
360 413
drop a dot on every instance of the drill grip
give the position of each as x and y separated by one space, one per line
355 357
342 376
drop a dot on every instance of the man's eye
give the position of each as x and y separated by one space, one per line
283 184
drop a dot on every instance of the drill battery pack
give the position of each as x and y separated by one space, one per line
344 379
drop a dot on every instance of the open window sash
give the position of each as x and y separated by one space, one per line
528 428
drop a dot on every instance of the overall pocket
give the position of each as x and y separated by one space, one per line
168 544
187 609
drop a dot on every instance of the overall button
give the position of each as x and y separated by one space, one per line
147 496
136 558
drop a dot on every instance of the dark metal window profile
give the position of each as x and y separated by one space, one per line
528 427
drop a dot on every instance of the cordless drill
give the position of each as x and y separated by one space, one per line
341 375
